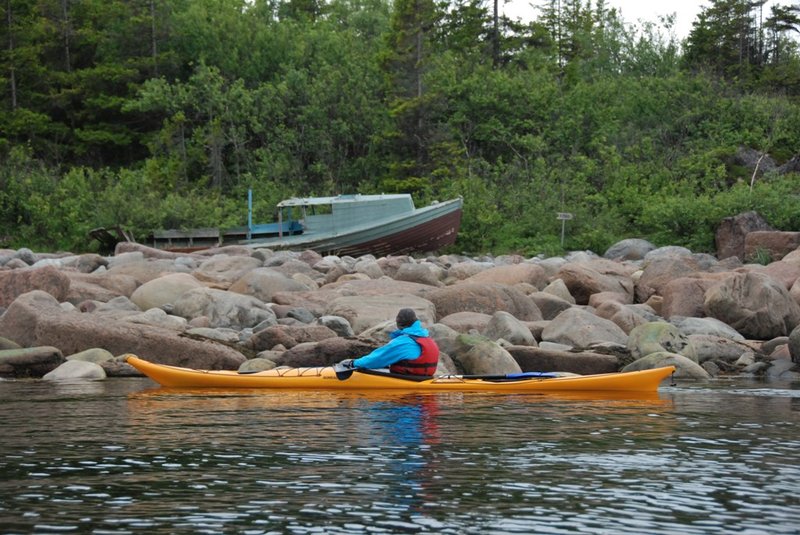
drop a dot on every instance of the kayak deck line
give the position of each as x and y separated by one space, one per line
325 378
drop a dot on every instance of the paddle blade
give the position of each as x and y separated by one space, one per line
343 372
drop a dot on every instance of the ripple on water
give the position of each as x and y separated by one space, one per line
697 461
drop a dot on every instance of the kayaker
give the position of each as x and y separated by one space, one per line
410 351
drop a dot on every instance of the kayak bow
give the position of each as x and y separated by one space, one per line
324 378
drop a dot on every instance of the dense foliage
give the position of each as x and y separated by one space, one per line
162 113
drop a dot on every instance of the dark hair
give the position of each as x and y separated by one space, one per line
406 318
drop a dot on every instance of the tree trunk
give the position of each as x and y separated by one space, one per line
12 77
153 44
66 32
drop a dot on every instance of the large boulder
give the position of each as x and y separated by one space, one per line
770 244
535 359
162 290
787 273
288 336
629 249
710 326
16 282
324 353
145 270
98 286
586 278
512 274
578 328
422 273
503 325
264 283
685 296
464 322
30 361
476 355
626 317
754 304
363 312
36 319
560 290
318 301
76 369
486 298
223 309
466 269
659 336
549 304
660 270
221 271
794 344
731 233
717 348
685 368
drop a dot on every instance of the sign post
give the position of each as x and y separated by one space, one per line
564 217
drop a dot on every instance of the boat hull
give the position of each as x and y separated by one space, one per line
426 229
325 378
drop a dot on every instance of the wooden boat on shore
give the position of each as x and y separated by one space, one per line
329 378
343 225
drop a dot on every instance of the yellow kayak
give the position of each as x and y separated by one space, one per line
326 378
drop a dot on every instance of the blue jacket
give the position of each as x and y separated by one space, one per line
400 347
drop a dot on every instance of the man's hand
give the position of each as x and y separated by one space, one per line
347 364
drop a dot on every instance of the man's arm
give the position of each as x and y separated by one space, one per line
401 348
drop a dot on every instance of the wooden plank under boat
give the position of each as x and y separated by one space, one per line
326 378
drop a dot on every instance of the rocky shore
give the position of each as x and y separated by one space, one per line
634 307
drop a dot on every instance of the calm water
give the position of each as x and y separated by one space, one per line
121 456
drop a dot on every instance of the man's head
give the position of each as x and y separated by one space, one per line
405 318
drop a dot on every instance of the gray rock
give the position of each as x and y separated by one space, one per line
264 283
711 347
365 311
337 324
158 292
794 344
550 304
686 368
486 298
710 326
629 249
288 336
224 309
227 336
560 290
422 273
579 328
76 369
480 356
26 255
30 361
257 364
35 319
657 337
16 282
503 325
553 358
753 304
97 355
158 318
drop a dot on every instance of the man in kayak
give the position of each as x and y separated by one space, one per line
411 351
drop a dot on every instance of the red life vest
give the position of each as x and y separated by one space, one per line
425 364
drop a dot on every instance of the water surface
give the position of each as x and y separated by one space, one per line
120 456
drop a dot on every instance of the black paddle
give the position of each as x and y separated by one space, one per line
343 373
